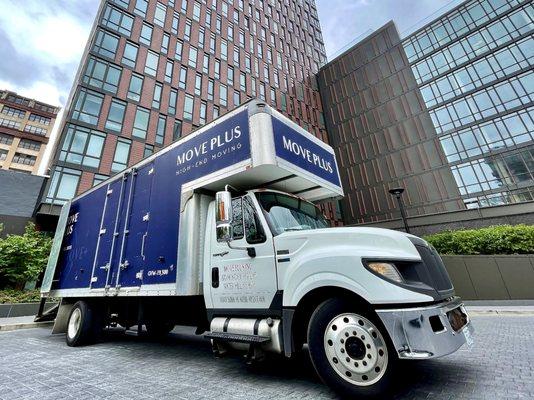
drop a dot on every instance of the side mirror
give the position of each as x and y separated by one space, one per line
223 216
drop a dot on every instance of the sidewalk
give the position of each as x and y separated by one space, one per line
13 323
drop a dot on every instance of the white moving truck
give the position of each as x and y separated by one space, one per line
218 231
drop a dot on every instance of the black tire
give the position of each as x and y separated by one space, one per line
84 325
368 371
158 329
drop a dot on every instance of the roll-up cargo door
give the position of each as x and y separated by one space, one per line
135 232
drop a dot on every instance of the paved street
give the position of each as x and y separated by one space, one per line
37 365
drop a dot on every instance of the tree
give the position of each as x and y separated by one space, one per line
23 257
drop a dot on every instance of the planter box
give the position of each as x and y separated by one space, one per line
21 309
492 277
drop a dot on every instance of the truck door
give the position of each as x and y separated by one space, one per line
237 279
106 238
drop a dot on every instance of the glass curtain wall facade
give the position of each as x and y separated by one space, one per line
154 71
474 67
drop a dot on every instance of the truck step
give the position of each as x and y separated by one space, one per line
236 337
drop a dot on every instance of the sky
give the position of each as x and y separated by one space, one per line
42 41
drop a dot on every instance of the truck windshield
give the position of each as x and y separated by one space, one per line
287 213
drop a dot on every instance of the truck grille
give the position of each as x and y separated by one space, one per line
435 268
436 273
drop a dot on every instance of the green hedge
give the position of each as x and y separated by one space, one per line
19 296
500 239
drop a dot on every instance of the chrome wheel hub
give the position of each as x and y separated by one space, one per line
74 323
356 349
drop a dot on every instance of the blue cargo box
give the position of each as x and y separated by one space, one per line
124 233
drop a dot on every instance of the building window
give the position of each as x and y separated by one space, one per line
116 115
211 85
130 54
13 112
175 23
193 54
198 84
146 34
223 95
82 146
151 65
188 107
172 102
216 112
29 144
142 116
40 119
183 77
148 151
187 31
177 130
203 112
87 106
184 6
24 159
196 11
99 178
140 7
102 75
106 44
168 71
217 69
224 49
122 152
117 20
3 154
206 64
156 99
179 49
63 185
230 75
160 131
35 129
9 123
6 139
159 16
237 99
165 43
243 82
136 87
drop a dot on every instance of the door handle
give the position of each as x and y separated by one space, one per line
143 245
215 277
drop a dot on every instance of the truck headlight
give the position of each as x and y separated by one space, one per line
387 270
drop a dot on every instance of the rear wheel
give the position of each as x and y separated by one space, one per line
350 350
84 324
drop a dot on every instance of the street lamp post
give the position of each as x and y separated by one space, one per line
397 192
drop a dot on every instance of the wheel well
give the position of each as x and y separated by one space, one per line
309 303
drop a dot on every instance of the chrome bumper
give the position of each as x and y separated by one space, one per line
413 335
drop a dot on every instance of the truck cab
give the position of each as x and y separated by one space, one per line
219 230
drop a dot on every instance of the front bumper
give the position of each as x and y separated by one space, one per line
426 332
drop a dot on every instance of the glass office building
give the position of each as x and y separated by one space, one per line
474 68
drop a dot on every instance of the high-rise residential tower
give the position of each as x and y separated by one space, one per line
155 70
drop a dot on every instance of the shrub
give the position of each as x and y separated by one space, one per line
499 239
23 257
19 296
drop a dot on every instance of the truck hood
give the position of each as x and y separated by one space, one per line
377 242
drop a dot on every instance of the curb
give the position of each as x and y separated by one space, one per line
509 313
14 327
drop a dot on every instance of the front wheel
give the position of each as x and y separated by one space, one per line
350 350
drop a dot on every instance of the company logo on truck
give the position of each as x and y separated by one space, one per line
212 148
306 154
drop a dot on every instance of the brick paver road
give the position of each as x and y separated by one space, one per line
37 365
